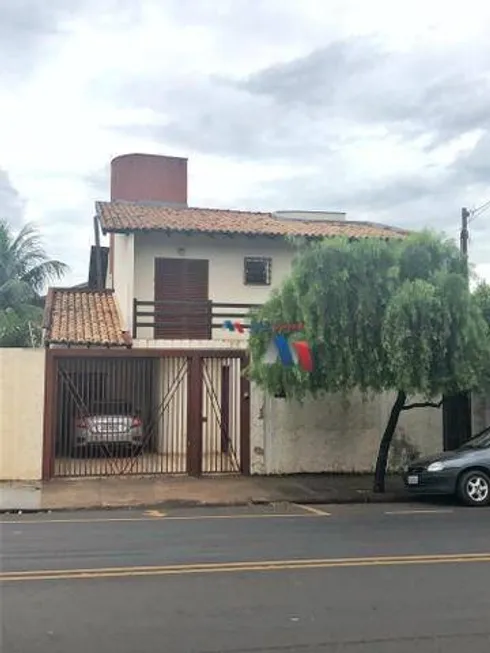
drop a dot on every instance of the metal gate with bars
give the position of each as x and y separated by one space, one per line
120 412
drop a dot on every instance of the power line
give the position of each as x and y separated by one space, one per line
475 213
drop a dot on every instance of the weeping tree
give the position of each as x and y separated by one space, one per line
25 270
482 297
379 316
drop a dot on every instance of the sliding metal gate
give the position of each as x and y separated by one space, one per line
139 412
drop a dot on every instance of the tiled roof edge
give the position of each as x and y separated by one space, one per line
85 343
71 289
269 214
48 315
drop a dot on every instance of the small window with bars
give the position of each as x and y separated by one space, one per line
257 271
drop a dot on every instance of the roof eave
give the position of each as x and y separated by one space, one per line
248 234
75 343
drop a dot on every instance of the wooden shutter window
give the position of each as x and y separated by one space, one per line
183 283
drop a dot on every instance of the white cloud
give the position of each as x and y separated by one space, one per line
11 203
378 108
483 272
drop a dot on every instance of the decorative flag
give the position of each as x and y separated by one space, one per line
271 353
305 357
295 353
284 350
289 354
233 326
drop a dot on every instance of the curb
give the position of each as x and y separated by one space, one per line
194 503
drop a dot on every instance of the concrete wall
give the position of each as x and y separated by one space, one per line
21 413
335 434
226 273
481 412
329 435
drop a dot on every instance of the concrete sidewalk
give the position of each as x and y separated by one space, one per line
61 494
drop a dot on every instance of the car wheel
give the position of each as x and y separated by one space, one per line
474 488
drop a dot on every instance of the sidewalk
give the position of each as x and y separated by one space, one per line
61 494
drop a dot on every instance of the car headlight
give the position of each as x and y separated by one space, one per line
435 467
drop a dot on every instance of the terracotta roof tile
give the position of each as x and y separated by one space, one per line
127 216
83 317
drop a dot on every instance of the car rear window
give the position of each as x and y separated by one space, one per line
112 408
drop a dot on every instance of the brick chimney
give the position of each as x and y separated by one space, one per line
149 178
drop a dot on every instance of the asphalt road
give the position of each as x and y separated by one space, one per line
365 579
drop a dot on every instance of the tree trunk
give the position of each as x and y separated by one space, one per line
384 447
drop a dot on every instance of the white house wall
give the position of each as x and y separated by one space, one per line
123 276
226 273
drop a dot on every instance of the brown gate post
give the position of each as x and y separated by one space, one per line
244 418
49 418
194 415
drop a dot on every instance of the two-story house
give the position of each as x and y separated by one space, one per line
171 275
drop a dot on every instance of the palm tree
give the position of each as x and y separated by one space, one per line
25 271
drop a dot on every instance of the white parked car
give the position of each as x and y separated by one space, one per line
108 424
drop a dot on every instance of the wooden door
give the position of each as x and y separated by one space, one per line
181 292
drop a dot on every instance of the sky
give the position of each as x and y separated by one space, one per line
380 109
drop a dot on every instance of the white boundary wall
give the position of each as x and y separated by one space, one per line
21 413
335 434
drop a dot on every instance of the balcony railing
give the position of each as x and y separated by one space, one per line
187 319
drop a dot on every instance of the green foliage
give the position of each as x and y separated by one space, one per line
25 270
379 315
482 297
22 328
424 253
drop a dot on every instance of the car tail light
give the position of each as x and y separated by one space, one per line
81 423
136 422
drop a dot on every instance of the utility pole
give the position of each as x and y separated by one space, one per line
465 214
456 410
